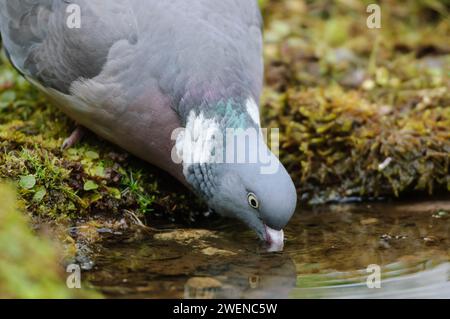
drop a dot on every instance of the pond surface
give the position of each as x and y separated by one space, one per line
326 255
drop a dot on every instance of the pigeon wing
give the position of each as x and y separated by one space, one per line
43 42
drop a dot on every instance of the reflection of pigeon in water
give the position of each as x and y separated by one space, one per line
273 279
133 71
258 277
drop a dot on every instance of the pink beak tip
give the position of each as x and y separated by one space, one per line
274 239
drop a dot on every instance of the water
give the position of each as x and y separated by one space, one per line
326 255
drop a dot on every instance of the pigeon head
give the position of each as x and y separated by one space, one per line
227 162
264 202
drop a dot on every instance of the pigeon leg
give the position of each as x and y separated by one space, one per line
74 138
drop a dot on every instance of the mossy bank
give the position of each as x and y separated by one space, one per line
362 113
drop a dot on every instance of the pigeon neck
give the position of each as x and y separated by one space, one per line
202 143
226 113
226 103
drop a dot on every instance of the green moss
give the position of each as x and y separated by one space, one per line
93 177
361 112
29 265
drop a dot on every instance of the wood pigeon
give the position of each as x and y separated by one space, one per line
167 80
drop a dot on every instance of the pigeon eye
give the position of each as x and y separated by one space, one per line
253 200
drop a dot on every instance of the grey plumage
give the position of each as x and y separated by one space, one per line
212 36
43 47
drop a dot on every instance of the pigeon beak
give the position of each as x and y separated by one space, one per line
274 239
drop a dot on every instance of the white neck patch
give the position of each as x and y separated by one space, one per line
200 142
253 110
197 142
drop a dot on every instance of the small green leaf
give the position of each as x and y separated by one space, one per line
90 186
92 155
27 182
40 194
98 170
71 206
114 192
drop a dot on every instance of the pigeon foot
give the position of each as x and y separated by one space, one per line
74 138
